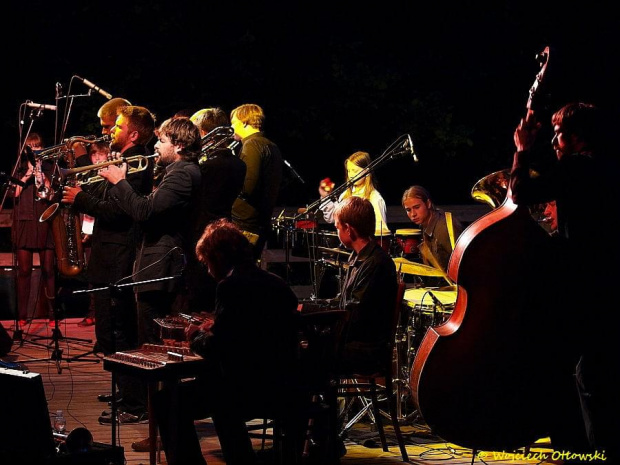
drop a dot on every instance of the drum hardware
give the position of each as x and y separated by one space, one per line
408 267
334 251
406 242
422 308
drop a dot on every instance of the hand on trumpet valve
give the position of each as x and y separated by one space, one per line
326 187
114 173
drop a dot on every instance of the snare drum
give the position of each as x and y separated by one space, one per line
407 241
419 300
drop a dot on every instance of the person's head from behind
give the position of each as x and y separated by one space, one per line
177 138
354 219
354 165
576 127
208 119
108 112
247 119
134 126
223 247
98 152
418 204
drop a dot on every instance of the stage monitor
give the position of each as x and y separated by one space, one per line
25 430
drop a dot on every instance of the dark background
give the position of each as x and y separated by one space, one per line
332 79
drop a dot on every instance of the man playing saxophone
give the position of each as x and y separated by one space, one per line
113 245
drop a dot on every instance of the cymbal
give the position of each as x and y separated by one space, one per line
336 263
328 249
408 267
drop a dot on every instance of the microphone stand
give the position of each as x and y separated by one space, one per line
402 146
115 289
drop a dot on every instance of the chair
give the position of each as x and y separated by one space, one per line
361 386
292 427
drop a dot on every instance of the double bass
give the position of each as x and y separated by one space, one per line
483 378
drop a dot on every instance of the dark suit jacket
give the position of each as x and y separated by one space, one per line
165 219
222 180
115 234
256 311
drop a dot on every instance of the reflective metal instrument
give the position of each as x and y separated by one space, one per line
219 138
85 175
58 151
43 190
492 188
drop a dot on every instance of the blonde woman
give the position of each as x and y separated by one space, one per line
364 188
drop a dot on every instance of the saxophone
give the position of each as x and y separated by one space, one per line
67 231
66 225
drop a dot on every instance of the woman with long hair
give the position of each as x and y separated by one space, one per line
363 187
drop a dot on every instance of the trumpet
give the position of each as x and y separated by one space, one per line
83 176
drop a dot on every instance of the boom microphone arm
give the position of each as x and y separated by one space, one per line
402 146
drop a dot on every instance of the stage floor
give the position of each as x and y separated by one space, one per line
73 386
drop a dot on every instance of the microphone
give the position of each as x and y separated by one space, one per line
94 87
40 106
406 149
410 142
294 172
436 301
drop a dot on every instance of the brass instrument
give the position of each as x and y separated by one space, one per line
83 176
65 221
219 138
67 231
65 150
43 191
492 188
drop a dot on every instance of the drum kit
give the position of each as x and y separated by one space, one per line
422 308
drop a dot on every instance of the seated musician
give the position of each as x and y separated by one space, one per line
256 317
370 285
369 289
439 229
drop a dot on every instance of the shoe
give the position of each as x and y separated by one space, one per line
125 418
144 445
108 397
88 321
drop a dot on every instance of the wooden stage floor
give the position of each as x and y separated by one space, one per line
73 386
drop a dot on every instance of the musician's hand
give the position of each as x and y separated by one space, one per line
114 173
69 193
525 133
